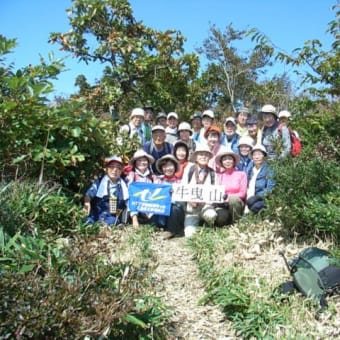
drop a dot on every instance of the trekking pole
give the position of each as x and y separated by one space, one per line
281 252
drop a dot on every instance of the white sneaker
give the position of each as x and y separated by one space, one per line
189 231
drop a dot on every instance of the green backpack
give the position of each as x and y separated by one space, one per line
315 274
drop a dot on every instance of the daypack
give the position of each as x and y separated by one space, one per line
315 274
296 145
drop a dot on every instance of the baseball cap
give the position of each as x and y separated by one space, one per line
158 128
231 120
208 113
172 114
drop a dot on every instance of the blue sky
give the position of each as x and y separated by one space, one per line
288 23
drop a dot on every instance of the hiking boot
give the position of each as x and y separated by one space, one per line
167 235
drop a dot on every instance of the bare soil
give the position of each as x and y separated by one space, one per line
178 284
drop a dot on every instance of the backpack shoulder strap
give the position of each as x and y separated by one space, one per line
191 172
212 175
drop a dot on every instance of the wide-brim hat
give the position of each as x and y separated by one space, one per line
160 162
284 113
113 159
227 152
140 154
137 112
242 110
246 140
201 148
268 108
184 126
259 147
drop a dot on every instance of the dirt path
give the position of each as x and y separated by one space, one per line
179 286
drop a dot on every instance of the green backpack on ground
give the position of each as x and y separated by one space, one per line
315 274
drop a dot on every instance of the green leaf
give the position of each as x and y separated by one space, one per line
26 268
76 132
134 320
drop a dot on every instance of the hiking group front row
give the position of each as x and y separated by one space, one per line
107 198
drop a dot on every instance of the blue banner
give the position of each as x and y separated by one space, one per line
150 198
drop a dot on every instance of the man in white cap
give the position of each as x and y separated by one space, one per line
158 147
277 144
172 128
135 125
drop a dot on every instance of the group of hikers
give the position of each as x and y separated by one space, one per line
235 156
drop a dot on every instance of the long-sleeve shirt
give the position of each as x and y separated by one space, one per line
235 183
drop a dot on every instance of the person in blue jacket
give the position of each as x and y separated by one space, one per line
106 199
260 181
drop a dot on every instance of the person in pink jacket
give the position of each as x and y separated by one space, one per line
235 183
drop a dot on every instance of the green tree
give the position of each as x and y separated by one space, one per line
230 75
320 66
141 63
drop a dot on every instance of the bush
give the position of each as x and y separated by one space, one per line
32 209
78 287
306 196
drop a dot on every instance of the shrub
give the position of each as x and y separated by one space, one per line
306 196
80 288
32 209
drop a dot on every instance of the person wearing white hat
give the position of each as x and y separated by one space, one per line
235 184
229 137
135 126
199 173
260 181
157 147
106 199
140 171
184 135
245 146
172 128
278 145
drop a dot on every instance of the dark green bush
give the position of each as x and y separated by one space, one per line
306 196
32 209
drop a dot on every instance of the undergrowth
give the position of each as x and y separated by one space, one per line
246 288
